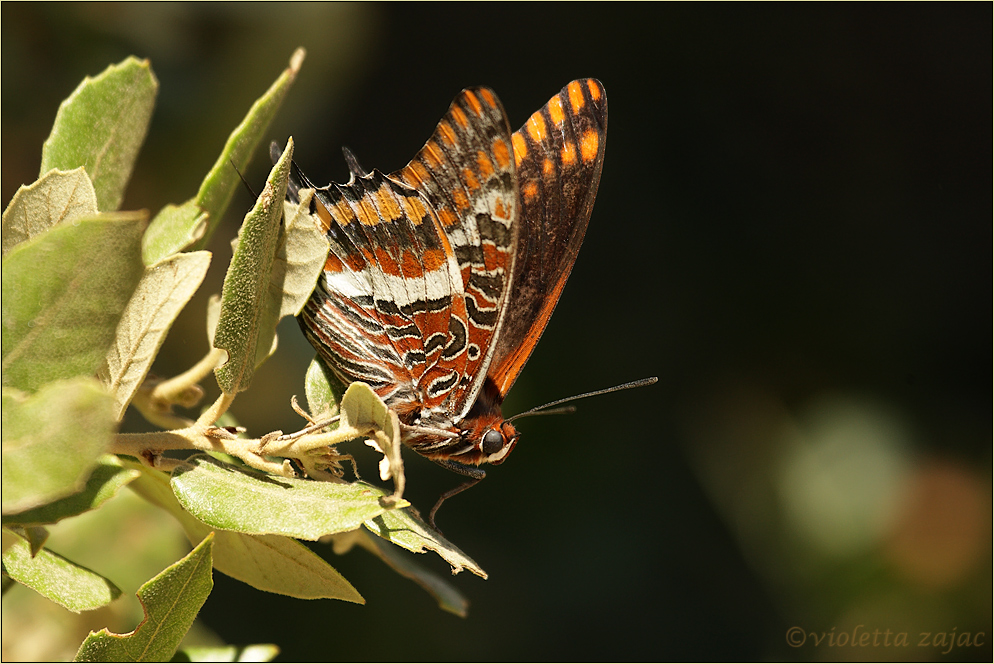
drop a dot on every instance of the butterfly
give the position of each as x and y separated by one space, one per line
443 275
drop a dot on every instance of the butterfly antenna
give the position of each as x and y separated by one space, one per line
542 410
244 181
355 168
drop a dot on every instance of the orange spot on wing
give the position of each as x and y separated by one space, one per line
387 263
333 264
588 145
419 174
503 157
530 190
344 215
324 215
387 204
365 213
447 217
460 117
520 148
355 262
407 175
488 97
492 257
459 198
473 102
410 266
484 164
414 209
568 154
432 259
447 133
432 154
547 166
595 90
556 110
469 179
575 96
499 209
536 127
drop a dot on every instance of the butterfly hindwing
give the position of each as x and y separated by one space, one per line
559 154
387 309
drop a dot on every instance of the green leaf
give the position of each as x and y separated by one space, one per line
300 258
60 580
172 230
361 408
270 563
219 185
257 652
63 295
57 197
161 294
35 536
405 529
323 390
101 126
231 498
171 602
247 324
52 440
103 484
447 595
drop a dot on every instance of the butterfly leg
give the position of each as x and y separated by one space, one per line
474 474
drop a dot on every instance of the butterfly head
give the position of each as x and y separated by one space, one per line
486 440
497 442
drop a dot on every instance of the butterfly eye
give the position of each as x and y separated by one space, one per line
492 442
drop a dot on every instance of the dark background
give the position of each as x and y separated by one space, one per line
793 231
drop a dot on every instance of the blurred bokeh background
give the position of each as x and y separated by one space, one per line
793 231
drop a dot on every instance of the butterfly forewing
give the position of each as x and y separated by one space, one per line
467 174
559 153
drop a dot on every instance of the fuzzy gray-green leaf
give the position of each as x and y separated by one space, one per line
101 126
52 441
171 602
405 529
63 295
323 390
300 258
102 485
219 185
232 499
54 198
270 563
174 229
247 325
62 581
161 294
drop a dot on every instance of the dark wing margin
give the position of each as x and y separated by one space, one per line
559 154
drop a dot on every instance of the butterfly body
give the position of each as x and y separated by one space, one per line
442 276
